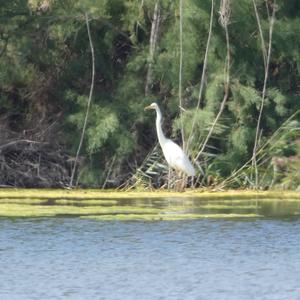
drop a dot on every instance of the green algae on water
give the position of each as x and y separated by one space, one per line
156 205
112 194
167 217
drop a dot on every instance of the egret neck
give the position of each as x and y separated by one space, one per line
161 137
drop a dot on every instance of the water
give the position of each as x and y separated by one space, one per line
212 258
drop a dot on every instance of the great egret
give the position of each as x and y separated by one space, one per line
174 155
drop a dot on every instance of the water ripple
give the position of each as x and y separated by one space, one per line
191 259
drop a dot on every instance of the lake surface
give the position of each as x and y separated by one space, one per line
206 258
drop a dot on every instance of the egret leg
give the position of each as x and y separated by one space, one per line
183 182
177 182
169 179
180 183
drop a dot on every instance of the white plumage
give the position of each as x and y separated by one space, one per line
174 155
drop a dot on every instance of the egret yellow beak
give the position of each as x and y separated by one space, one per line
148 107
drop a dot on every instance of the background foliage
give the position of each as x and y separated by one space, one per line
45 74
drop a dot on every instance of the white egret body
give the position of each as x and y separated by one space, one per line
174 155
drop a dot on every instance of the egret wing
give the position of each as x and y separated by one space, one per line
177 159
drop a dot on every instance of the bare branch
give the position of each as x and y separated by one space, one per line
263 46
153 43
89 100
4 47
109 171
255 148
224 13
203 72
180 70
18 142
224 20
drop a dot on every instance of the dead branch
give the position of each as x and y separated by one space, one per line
26 163
89 100
153 44
224 20
263 46
180 70
203 73
256 142
12 143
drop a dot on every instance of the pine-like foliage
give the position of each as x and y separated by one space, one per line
45 76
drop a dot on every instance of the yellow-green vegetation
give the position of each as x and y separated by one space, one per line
146 205
166 217
80 202
20 210
94 194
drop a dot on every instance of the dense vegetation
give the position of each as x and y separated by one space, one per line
142 54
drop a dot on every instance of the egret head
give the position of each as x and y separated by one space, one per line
152 106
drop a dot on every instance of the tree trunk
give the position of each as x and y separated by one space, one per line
153 44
